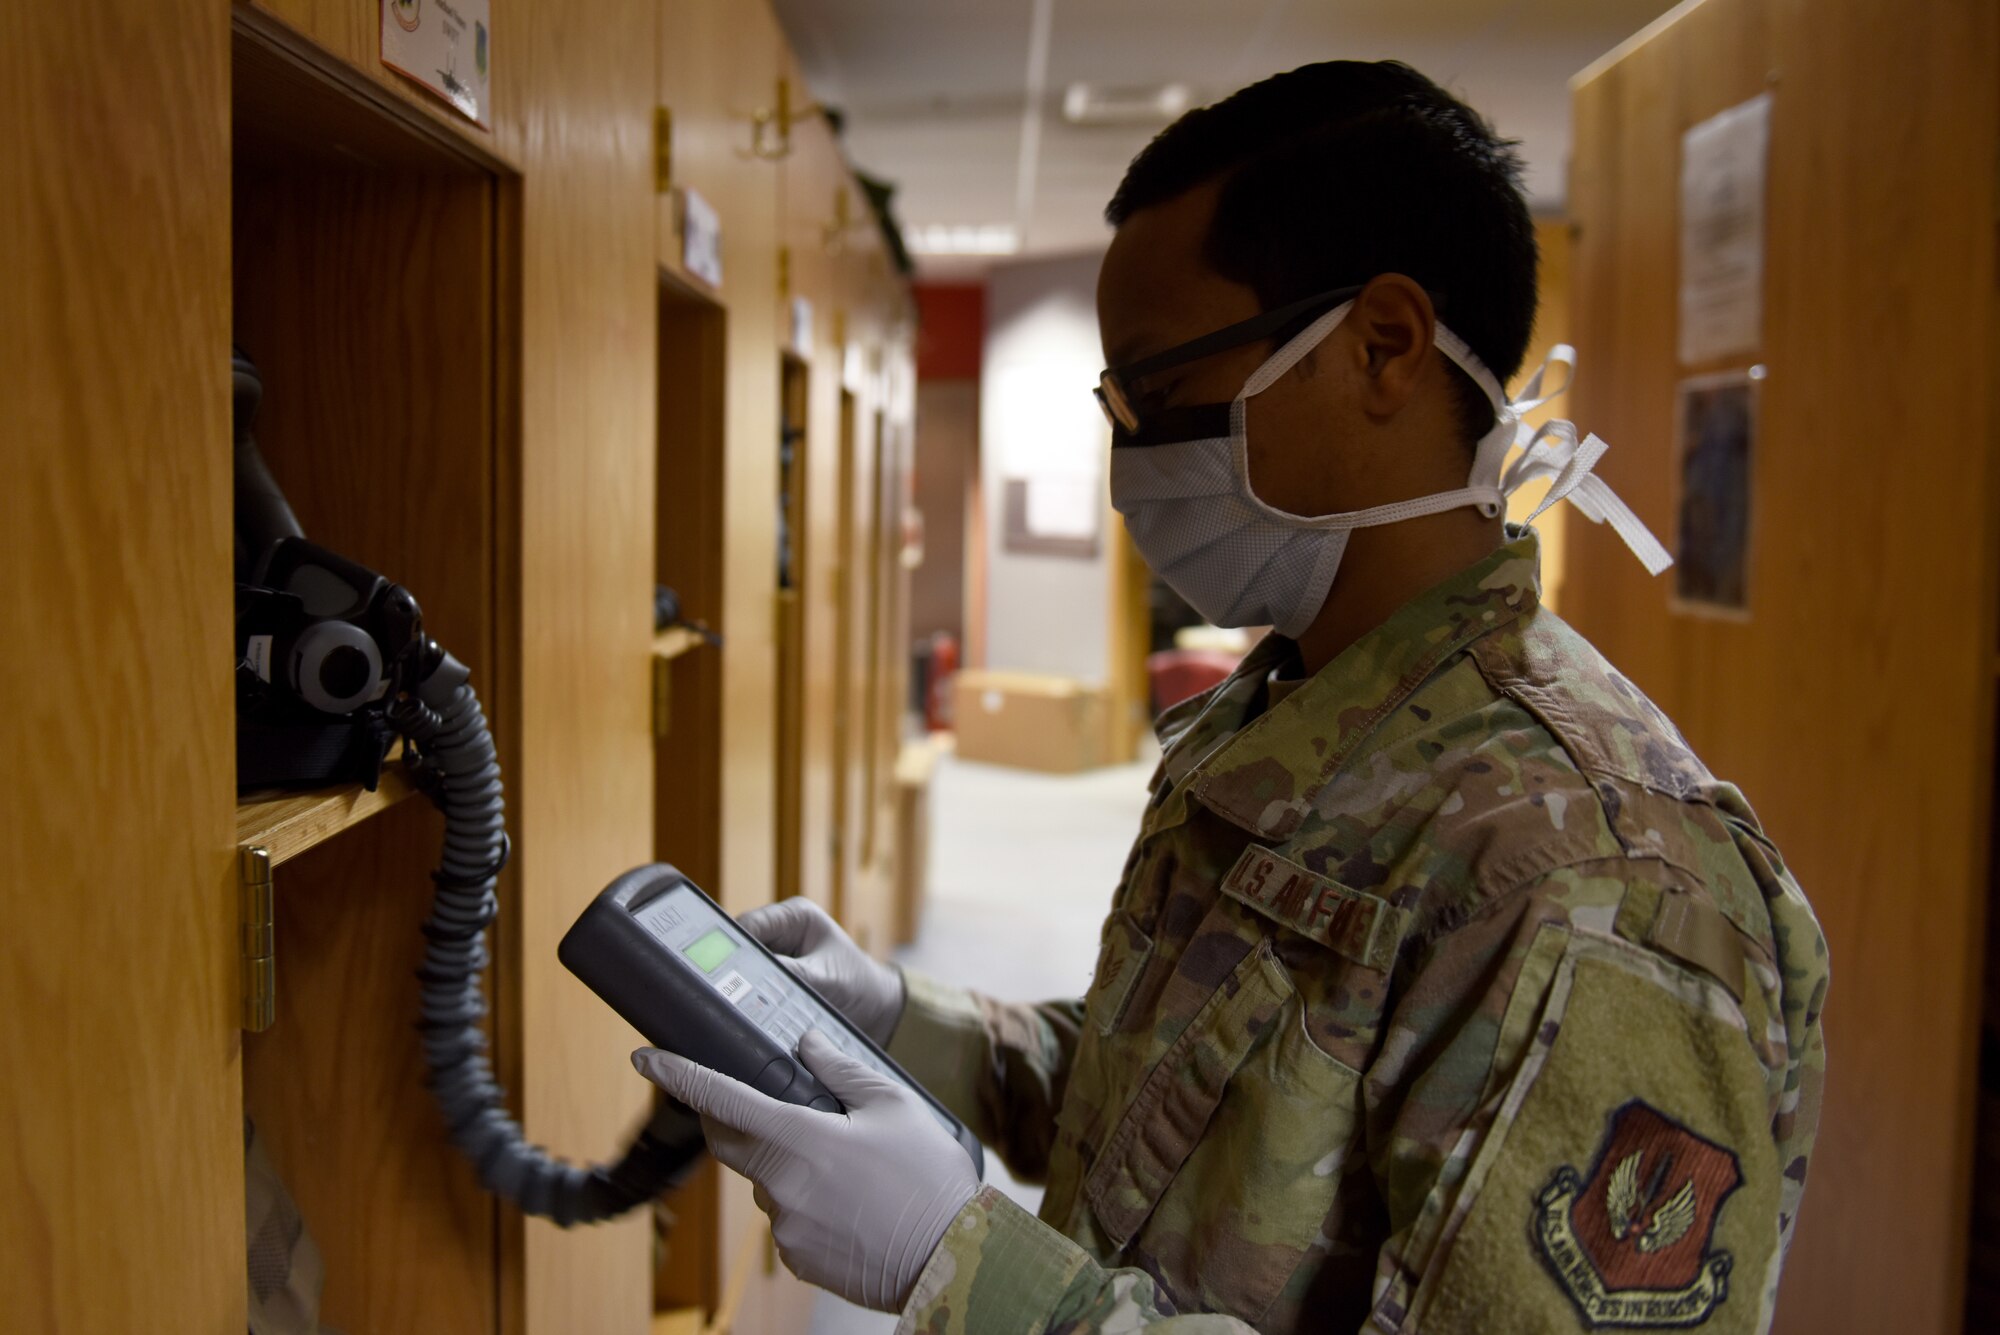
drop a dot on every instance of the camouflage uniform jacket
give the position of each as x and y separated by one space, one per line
1450 994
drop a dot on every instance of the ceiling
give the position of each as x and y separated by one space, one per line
935 92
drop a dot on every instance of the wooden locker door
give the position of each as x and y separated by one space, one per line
1854 704
815 181
845 729
794 564
121 1134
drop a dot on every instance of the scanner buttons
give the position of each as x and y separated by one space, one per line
776 1077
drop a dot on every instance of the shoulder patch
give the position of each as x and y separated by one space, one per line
1630 1243
1356 926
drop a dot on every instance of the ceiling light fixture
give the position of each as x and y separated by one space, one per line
964 239
1089 104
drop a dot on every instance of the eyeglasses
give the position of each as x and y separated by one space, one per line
1115 386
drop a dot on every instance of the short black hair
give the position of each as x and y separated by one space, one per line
1336 172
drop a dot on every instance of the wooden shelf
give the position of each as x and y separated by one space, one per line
674 641
681 1321
288 823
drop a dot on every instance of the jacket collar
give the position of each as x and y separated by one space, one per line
1265 776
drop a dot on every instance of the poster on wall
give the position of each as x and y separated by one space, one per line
1715 435
1047 445
443 45
1723 163
1052 515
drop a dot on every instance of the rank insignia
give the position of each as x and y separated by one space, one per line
1630 1243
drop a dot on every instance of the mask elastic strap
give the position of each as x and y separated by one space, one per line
1449 343
1461 353
1532 395
1285 358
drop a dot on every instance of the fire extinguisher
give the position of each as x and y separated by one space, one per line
943 665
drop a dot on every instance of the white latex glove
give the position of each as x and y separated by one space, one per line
858 1200
868 992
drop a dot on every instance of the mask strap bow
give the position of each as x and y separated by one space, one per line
1554 451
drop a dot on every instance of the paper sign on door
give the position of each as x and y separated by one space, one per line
443 45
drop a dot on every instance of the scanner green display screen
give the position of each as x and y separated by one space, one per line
711 950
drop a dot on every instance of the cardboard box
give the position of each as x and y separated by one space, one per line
1029 721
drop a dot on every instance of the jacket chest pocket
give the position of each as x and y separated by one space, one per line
1222 1174
1170 1110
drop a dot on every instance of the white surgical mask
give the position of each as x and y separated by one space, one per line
1241 562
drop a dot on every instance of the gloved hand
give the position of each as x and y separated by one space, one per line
858 1200
867 991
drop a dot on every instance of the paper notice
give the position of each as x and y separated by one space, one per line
1723 163
443 45
701 237
1063 507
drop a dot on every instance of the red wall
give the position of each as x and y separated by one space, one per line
951 330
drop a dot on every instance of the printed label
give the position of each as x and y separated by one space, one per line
258 657
735 988
1344 921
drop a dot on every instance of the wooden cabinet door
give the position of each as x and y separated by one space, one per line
1854 703
121 1139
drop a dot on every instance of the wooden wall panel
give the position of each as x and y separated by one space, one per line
579 123
1855 705
895 447
866 912
119 1127
812 177
718 64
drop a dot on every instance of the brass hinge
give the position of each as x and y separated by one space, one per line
663 695
663 150
771 127
257 937
784 273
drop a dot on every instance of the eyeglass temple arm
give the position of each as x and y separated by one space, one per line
1244 331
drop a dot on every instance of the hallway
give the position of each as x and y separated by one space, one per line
1022 869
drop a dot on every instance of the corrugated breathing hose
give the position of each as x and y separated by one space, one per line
456 764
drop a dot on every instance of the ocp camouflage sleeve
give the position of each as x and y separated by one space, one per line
999 1066
1001 1271
1552 1065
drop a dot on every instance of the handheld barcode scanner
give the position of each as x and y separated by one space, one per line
681 972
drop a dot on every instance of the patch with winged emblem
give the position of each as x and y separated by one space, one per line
1630 1243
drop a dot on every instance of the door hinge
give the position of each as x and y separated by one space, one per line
784 274
663 150
257 938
